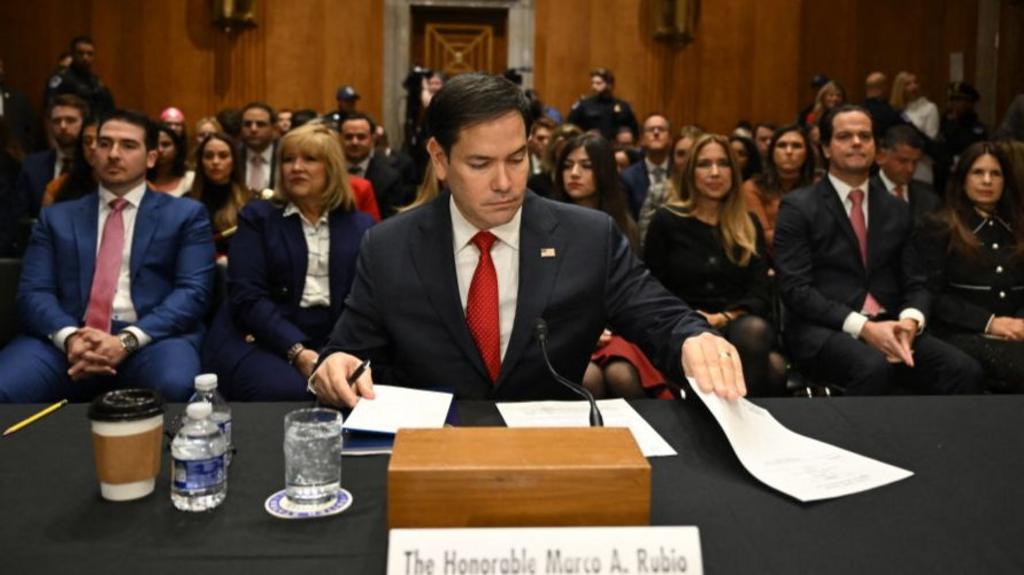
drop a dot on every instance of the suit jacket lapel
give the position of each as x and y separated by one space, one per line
839 213
86 238
434 260
342 238
876 221
537 275
145 226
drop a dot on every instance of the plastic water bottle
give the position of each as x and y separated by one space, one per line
206 390
199 474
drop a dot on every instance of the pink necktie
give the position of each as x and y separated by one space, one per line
108 267
256 172
482 306
860 230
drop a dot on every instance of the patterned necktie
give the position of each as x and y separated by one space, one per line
482 306
256 172
658 175
860 229
900 192
108 268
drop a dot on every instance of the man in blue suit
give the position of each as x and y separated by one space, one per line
114 285
655 167
448 295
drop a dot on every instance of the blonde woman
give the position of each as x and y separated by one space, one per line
292 263
922 113
707 250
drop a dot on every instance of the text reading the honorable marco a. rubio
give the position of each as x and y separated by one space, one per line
544 551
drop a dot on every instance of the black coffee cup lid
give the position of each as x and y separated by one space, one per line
126 405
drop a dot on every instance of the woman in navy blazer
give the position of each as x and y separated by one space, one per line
290 268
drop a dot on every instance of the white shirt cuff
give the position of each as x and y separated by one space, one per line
988 324
140 335
61 336
854 323
914 314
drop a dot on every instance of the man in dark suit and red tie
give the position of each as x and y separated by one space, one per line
447 296
851 281
114 285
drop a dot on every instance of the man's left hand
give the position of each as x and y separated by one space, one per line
715 365
906 333
107 349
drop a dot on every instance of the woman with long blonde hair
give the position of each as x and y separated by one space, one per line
707 250
923 114
290 268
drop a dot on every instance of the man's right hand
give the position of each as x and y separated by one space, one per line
884 336
331 384
78 345
1010 328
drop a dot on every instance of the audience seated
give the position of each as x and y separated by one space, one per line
707 250
543 183
655 168
657 195
788 166
974 253
291 266
748 161
357 131
81 179
921 112
829 96
856 301
113 285
170 174
218 186
899 151
259 149
587 177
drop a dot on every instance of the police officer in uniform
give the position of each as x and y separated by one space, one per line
80 80
961 127
601 110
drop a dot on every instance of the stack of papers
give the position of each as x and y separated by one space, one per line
371 426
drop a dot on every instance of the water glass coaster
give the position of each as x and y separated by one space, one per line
280 506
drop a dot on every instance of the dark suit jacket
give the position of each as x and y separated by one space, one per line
635 183
391 192
36 172
20 118
406 168
819 269
244 155
576 270
266 275
171 266
920 196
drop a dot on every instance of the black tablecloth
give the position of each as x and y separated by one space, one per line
962 511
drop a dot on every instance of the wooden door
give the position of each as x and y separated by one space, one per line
457 40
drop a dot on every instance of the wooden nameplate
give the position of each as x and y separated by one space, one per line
504 477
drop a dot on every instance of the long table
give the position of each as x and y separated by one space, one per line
962 511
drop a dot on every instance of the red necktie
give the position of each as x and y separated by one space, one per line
860 229
482 306
256 172
108 268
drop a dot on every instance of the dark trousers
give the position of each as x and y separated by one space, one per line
939 368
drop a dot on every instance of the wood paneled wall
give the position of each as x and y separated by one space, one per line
750 59
157 53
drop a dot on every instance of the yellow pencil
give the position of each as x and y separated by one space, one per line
34 418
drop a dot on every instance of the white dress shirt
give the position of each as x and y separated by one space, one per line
268 159
316 291
58 165
925 115
122 309
504 254
363 166
854 322
890 186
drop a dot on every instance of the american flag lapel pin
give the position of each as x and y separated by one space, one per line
547 252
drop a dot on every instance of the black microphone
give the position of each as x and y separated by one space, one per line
540 331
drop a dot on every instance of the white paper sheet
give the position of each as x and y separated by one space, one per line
801 467
399 407
616 413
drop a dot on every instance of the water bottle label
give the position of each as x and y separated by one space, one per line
198 474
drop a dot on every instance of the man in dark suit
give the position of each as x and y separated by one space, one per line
655 168
898 153
259 146
357 141
114 284
397 159
883 115
448 295
67 115
853 286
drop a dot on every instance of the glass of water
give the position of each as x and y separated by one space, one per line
312 454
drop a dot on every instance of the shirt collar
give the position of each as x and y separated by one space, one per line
463 231
134 196
365 164
844 189
292 209
651 165
889 184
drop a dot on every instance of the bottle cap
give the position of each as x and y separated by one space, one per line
199 410
206 381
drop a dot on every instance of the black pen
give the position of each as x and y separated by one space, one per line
358 373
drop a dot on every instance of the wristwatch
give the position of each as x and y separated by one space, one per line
293 352
129 341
